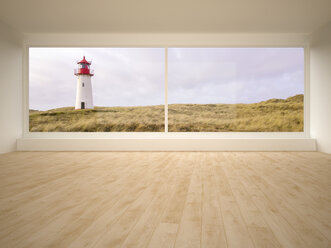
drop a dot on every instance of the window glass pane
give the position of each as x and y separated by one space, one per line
124 93
236 89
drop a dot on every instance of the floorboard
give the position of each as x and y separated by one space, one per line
165 199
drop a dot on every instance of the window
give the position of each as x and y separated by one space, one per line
125 93
236 89
209 90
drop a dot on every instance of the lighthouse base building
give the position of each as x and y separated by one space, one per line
84 98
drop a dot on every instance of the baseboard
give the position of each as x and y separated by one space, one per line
43 144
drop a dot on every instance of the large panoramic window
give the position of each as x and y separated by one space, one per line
209 89
236 89
96 89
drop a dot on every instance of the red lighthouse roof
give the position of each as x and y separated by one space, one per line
84 68
84 61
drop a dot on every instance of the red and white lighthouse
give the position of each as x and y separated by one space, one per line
84 99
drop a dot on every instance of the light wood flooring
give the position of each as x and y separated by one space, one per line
165 199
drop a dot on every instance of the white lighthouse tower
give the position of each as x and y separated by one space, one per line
84 99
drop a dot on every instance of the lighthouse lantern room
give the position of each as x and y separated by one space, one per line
84 73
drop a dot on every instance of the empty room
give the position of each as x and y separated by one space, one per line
165 124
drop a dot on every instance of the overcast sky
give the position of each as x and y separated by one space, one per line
135 76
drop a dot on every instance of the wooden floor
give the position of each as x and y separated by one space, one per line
165 199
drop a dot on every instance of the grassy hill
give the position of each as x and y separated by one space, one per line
274 115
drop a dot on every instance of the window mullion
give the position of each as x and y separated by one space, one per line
166 92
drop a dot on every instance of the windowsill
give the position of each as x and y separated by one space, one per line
166 135
165 144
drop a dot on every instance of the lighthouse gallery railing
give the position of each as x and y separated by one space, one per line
79 71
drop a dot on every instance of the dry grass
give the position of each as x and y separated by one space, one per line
99 119
274 115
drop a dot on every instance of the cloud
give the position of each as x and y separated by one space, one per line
135 76
123 76
234 75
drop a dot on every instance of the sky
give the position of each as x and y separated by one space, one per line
136 76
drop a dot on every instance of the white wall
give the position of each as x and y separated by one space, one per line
167 39
10 88
11 75
320 88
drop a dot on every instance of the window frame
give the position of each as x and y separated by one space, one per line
165 134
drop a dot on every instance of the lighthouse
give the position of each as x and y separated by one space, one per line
84 99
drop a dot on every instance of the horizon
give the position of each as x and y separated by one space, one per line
173 104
